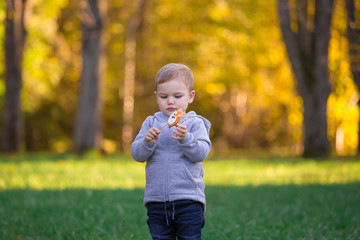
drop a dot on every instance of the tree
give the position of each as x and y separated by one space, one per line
129 74
88 130
353 36
307 47
17 11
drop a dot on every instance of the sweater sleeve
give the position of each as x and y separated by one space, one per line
140 149
197 144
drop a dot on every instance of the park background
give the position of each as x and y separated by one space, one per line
279 80
82 73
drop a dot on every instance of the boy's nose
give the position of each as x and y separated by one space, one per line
170 100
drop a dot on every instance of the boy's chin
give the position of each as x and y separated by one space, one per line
167 113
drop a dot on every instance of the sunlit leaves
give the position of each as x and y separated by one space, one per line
42 70
243 81
343 113
220 11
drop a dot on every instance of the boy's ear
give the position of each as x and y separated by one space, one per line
191 96
155 93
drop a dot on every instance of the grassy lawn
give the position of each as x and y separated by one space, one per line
65 197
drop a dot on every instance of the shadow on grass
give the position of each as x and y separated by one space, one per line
248 212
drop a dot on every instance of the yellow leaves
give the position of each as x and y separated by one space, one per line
40 77
2 88
220 11
109 146
2 14
42 68
164 11
118 3
49 9
60 145
37 27
234 48
343 114
343 119
215 88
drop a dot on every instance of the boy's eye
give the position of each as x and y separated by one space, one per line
178 96
163 97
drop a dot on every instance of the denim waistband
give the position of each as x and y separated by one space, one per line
176 202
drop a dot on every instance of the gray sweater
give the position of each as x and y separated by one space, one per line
174 169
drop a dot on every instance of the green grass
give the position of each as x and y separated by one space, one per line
66 197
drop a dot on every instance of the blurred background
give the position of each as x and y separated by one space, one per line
277 77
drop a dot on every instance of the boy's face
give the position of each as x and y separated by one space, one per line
173 95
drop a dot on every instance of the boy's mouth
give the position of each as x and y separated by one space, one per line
171 109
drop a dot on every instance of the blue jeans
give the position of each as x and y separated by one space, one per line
182 219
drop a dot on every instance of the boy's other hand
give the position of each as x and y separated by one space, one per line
180 132
152 135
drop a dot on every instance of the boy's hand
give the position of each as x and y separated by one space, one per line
180 132
152 135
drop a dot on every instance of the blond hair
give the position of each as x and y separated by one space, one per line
175 71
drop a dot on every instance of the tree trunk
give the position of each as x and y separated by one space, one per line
88 130
358 148
129 75
15 35
308 55
353 36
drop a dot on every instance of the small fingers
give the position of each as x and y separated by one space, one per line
154 131
180 132
152 135
181 128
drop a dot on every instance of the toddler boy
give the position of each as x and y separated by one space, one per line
174 192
